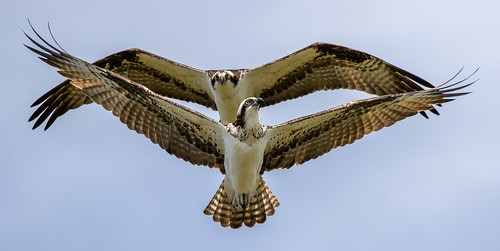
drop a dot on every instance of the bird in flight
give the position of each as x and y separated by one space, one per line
245 148
320 66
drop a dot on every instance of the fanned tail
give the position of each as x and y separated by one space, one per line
227 214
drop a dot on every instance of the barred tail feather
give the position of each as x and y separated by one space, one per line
227 214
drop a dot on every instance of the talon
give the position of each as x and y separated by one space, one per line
242 200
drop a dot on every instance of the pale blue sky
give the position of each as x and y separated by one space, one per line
89 183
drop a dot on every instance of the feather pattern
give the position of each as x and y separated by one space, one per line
320 66
323 66
227 214
182 132
160 75
306 138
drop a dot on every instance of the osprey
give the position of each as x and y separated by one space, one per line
320 66
244 149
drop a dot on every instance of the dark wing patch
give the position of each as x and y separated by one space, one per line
341 53
57 102
323 66
182 132
160 75
309 137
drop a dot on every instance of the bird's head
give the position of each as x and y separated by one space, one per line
248 112
224 77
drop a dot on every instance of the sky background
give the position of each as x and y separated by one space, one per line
89 183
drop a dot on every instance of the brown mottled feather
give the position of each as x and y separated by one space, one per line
306 138
323 66
320 66
227 214
180 131
57 102
130 64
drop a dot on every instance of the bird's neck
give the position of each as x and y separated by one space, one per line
248 127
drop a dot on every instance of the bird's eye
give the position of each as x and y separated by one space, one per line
247 102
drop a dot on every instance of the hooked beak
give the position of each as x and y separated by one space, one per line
222 80
258 102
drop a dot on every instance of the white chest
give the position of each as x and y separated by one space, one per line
242 163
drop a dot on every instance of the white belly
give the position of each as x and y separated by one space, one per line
242 163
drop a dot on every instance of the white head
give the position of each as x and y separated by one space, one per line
225 77
248 113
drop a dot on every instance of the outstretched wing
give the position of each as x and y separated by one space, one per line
306 138
160 75
182 132
323 66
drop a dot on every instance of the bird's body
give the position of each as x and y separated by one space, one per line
242 164
244 145
243 149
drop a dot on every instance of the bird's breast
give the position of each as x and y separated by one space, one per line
242 163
